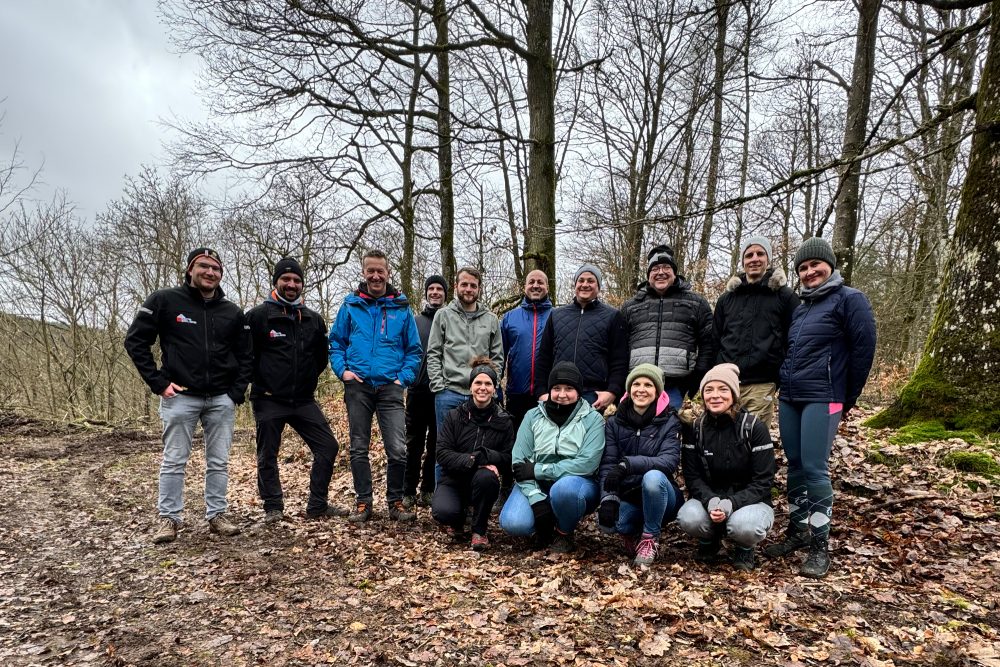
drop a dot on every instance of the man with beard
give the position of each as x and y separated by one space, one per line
375 351
289 354
204 374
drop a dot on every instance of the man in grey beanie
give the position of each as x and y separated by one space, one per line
750 325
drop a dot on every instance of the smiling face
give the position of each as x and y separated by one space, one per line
482 390
642 392
564 394
435 295
718 397
814 272
375 273
467 289
536 285
206 274
754 262
289 286
586 288
661 277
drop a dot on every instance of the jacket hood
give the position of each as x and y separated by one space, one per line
774 279
391 296
645 290
662 403
544 304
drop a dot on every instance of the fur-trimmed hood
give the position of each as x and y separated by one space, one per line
774 278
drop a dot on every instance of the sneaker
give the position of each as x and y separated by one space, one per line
743 559
274 516
817 563
166 530
399 513
645 552
794 540
480 542
220 525
708 551
425 499
629 545
331 510
409 501
563 543
362 513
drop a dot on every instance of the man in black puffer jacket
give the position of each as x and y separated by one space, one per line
591 335
289 354
670 326
751 326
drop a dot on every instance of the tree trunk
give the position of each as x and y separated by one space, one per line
859 97
955 382
447 193
540 241
407 213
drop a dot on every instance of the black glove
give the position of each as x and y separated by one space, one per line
613 482
481 458
523 471
545 521
607 514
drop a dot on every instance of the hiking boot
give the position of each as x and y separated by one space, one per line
563 543
425 499
795 539
743 559
220 525
362 513
629 545
480 542
708 551
409 502
399 513
817 563
166 530
331 510
502 498
645 552
274 516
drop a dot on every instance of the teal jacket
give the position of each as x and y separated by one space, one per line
573 449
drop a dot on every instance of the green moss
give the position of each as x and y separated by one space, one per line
979 463
924 431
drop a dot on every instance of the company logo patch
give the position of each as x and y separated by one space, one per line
275 334
184 319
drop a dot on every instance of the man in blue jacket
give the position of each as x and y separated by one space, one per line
375 350
521 330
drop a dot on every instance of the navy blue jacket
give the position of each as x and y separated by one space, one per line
831 346
521 330
656 446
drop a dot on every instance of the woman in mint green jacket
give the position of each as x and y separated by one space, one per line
556 455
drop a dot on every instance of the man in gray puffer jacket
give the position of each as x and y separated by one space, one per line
670 326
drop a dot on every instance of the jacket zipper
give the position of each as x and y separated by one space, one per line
534 338
798 334
208 351
576 341
659 333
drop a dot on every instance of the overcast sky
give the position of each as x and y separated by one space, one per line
86 82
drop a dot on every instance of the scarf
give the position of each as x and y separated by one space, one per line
633 418
558 412
815 293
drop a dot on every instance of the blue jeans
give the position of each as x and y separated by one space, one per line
676 396
444 401
180 415
660 500
363 402
572 498
746 526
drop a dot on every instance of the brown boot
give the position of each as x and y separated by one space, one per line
220 525
166 530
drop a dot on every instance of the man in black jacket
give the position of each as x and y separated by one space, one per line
203 376
289 354
750 326
421 423
670 326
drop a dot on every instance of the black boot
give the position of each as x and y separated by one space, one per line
795 539
743 558
817 563
708 551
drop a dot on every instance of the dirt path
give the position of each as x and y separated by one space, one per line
916 564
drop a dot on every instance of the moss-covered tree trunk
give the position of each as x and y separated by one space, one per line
958 378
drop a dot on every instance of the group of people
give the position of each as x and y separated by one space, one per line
537 447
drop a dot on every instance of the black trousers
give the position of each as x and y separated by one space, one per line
456 492
310 423
421 442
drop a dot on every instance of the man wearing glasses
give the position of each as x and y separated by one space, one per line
205 369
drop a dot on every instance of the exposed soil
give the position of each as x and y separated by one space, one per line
916 558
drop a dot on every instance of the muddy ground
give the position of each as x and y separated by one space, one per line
916 563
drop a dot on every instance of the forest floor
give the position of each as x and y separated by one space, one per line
916 553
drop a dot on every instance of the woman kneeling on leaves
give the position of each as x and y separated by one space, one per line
473 450
556 454
641 453
728 463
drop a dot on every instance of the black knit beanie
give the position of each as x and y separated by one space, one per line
566 372
286 265
435 278
200 252
661 254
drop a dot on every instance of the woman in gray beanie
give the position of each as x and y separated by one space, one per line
831 346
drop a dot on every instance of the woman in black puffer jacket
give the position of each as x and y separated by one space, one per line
473 449
641 452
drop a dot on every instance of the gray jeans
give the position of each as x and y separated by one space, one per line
363 402
746 526
180 416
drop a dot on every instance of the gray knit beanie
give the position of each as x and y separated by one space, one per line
815 248
589 268
762 241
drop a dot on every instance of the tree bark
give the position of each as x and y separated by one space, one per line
445 175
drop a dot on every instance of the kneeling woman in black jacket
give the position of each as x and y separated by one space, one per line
473 450
728 463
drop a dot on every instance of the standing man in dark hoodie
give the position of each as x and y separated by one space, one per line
289 354
670 326
203 376
421 425
375 351
590 334
751 323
